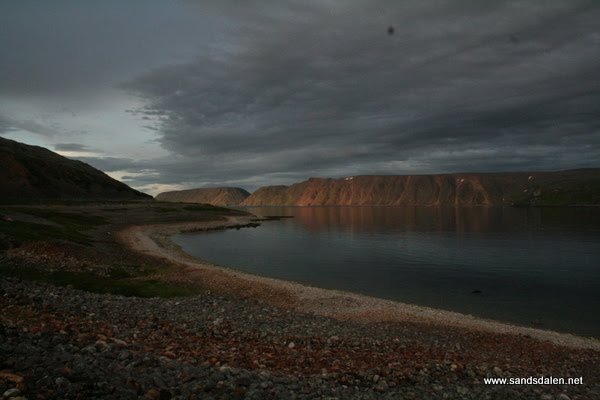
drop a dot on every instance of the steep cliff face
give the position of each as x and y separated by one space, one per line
520 188
32 172
227 196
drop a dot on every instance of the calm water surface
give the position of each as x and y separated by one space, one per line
535 267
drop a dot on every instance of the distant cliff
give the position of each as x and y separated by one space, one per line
226 196
574 187
32 172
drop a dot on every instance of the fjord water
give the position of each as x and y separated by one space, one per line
535 267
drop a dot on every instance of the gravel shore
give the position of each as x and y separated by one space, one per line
249 337
154 240
62 343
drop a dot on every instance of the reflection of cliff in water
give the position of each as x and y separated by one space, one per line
439 219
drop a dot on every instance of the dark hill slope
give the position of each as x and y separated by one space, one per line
574 187
28 172
226 196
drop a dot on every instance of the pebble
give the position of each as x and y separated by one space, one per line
462 390
119 342
381 386
11 393
62 382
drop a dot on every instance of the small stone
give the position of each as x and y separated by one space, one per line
376 378
382 386
462 390
100 344
62 382
563 396
170 354
89 349
10 393
11 377
153 394
119 342
291 345
497 370
243 380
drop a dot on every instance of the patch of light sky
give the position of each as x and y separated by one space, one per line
102 125
65 87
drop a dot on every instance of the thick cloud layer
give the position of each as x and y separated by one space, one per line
77 47
325 90
280 91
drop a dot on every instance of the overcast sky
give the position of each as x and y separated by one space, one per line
188 93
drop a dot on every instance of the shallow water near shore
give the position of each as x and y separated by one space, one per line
533 267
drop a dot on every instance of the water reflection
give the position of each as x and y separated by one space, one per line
440 219
538 267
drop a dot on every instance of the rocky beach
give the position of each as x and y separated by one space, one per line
65 343
232 335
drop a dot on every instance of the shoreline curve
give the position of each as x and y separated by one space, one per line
154 240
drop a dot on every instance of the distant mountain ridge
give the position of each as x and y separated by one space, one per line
224 196
32 172
562 188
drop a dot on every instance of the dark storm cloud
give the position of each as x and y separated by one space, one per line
73 47
323 89
276 91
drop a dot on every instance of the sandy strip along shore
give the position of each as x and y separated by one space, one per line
155 240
